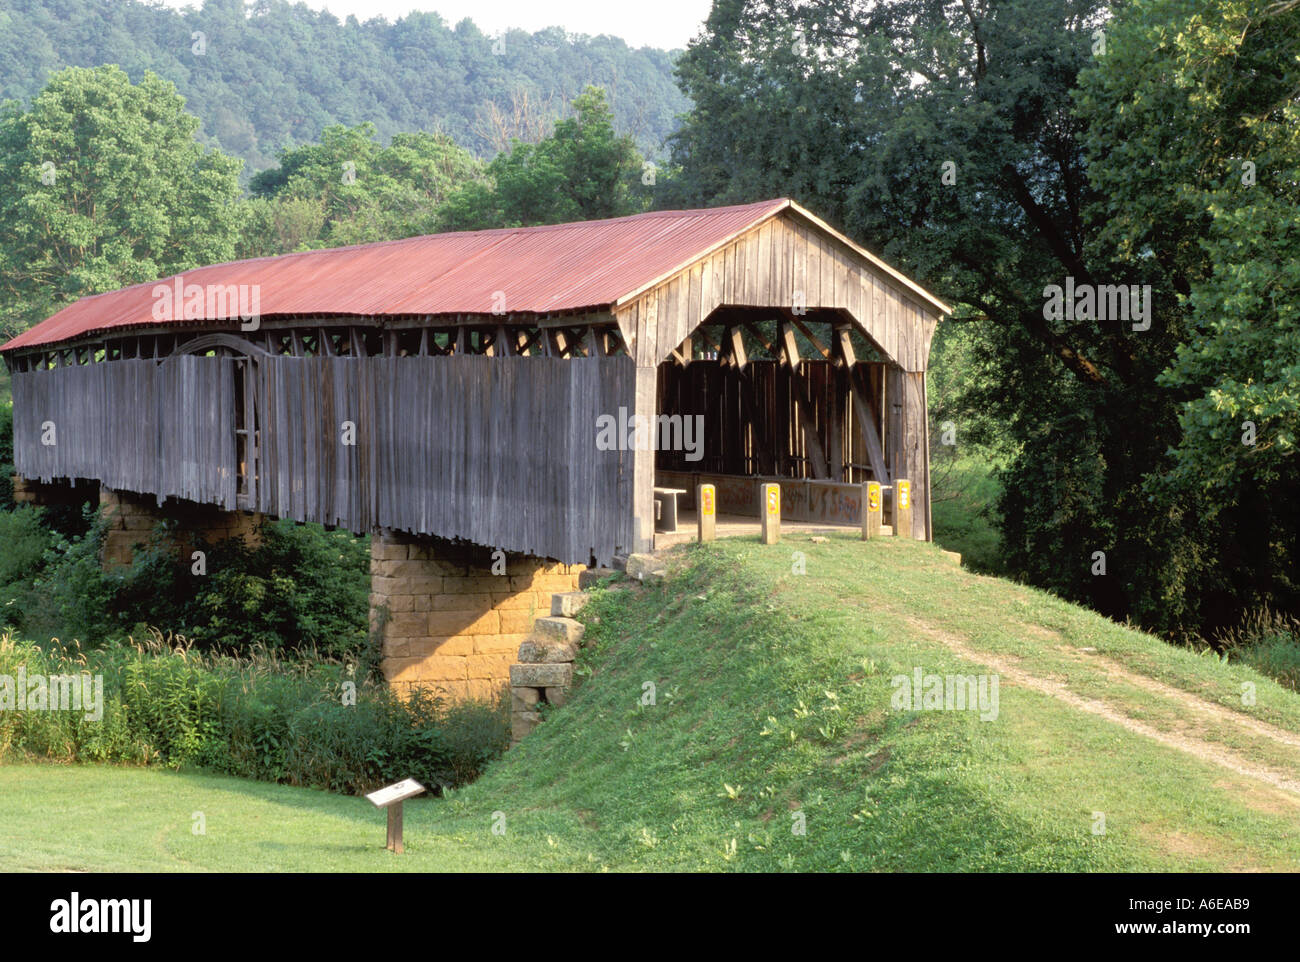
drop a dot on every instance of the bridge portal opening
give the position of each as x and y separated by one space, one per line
757 395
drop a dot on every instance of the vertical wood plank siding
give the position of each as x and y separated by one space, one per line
774 265
500 451
162 429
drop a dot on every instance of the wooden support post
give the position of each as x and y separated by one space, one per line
902 508
706 504
870 510
804 402
789 346
528 341
771 513
395 828
847 356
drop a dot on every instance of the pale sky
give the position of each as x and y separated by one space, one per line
641 23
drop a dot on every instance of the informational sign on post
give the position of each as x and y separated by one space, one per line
391 797
395 793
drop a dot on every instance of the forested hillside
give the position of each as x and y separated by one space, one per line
265 75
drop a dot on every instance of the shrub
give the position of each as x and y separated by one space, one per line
79 598
25 542
1268 641
300 588
166 703
6 454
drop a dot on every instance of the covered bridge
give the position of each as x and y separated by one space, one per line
463 386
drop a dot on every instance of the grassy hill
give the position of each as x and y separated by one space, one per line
773 707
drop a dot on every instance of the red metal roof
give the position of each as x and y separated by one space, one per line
558 268
561 268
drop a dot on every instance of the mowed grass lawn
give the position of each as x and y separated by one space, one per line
772 745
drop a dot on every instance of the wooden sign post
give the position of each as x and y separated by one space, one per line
903 509
391 798
706 500
771 513
871 510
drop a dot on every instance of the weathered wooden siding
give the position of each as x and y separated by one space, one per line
500 451
497 451
907 441
765 268
162 429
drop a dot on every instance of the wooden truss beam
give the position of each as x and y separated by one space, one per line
803 400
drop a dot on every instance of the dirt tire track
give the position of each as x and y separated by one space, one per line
1055 689
1192 701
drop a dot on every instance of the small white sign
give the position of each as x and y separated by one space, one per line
395 793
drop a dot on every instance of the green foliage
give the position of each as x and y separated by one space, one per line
78 596
299 590
1114 167
967 447
1269 642
274 73
166 704
26 542
1194 150
965 494
349 189
583 171
6 454
105 187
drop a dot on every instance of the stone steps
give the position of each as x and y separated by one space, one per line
558 629
566 604
544 672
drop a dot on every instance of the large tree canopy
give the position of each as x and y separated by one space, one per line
948 135
350 189
1193 142
582 171
105 186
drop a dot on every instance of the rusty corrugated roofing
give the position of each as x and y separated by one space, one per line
584 266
